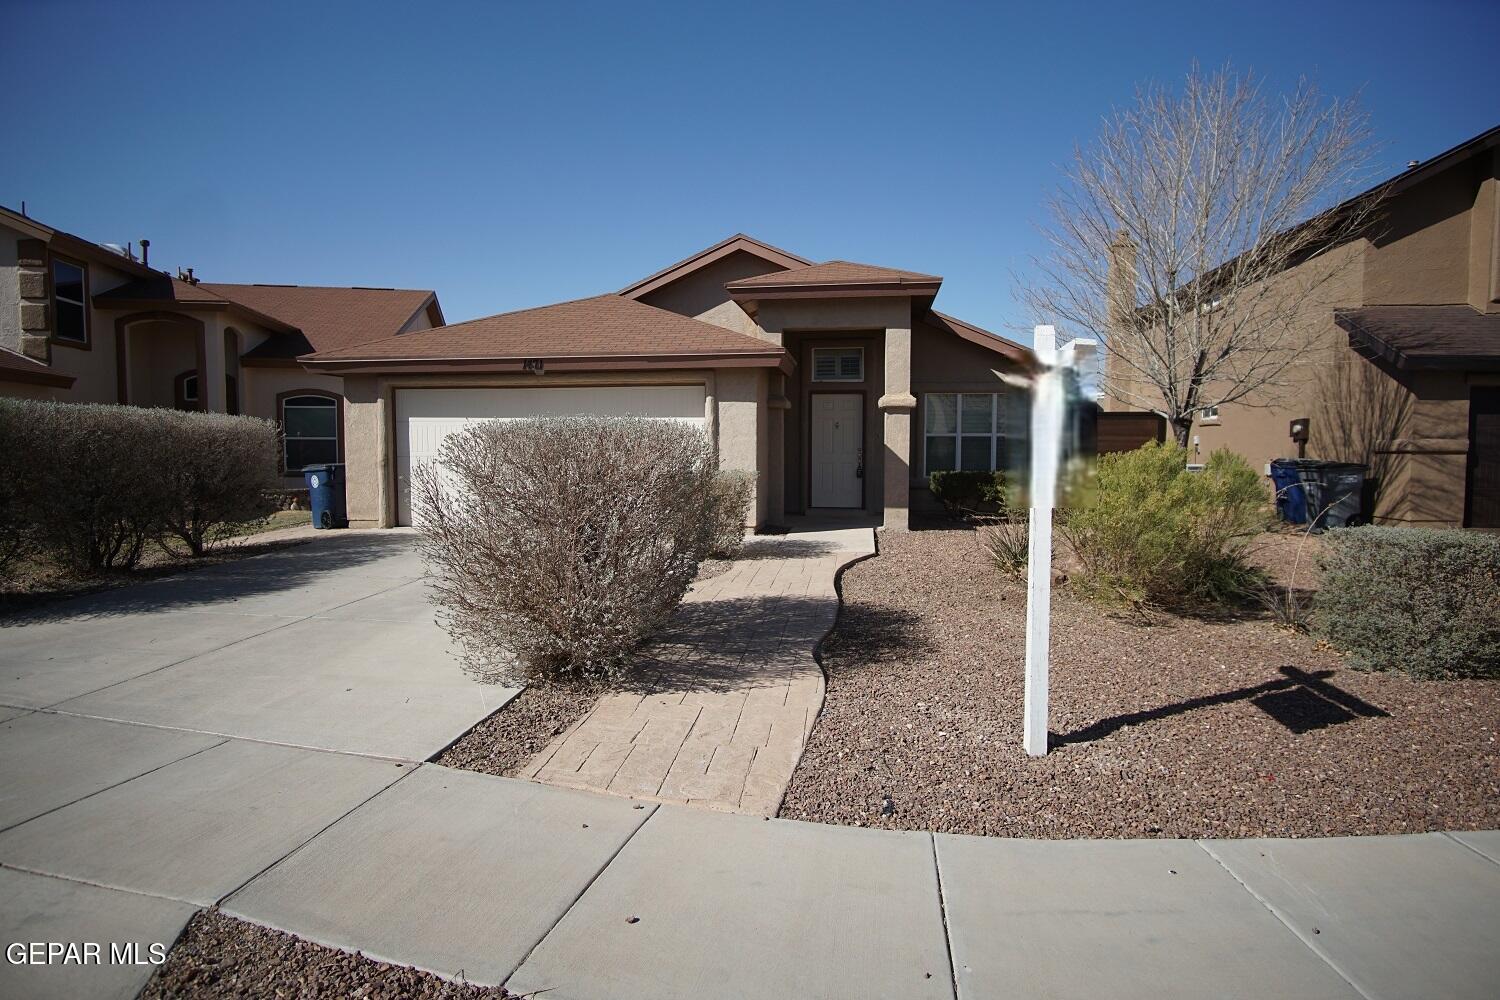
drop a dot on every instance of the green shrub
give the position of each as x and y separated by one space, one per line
1148 531
967 492
1424 601
95 483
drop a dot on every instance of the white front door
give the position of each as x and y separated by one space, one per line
838 443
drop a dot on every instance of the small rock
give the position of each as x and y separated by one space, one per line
887 806
632 920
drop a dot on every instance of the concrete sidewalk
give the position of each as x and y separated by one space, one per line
117 830
723 702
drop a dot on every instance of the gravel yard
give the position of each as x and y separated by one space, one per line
219 956
504 742
1174 728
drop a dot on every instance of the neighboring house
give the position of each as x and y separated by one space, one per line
85 323
837 386
1400 363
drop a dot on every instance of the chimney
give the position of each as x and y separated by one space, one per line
146 252
1120 281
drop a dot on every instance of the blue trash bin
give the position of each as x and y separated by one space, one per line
1291 496
325 494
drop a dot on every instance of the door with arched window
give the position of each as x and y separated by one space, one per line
312 429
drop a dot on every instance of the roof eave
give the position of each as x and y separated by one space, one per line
54 379
827 289
579 363
708 255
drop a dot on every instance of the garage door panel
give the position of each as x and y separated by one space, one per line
426 417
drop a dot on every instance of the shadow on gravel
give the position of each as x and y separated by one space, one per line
1300 701
278 567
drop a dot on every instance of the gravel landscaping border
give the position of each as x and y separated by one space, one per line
220 956
506 741
1172 727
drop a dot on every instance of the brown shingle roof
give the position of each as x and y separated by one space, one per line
602 327
833 273
329 318
1425 337
159 288
19 368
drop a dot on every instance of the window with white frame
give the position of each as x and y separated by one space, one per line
70 309
310 429
1211 413
838 364
964 430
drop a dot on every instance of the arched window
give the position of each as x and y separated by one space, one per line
311 429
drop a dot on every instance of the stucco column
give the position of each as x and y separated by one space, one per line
742 431
211 395
368 453
776 410
897 405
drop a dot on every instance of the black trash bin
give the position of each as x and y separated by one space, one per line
1340 494
325 494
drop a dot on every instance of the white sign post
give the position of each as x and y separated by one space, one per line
1048 413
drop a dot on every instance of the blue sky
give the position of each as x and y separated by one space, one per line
511 155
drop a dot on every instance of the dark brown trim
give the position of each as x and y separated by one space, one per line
864 413
122 346
54 379
88 305
282 397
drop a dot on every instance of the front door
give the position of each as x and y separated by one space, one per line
838 449
1484 458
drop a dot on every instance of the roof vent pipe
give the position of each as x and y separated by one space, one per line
1412 164
146 251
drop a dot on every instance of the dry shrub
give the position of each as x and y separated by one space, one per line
93 484
729 510
559 544
223 471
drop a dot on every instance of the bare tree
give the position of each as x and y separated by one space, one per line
1166 235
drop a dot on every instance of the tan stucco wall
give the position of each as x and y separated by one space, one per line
259 387
1420 252
701 294
1438 245
943 362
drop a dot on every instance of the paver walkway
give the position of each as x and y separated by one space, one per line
723 702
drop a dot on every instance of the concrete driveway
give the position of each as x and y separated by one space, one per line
330 646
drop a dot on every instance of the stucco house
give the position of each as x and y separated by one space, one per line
836 385
1399 350
88 323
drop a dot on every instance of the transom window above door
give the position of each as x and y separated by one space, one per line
838 364
964 430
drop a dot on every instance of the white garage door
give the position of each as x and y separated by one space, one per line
425 417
